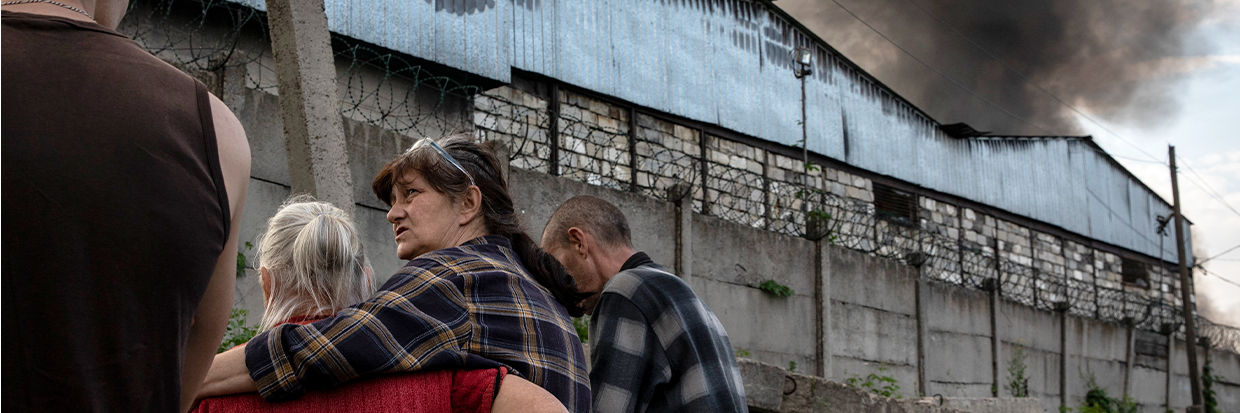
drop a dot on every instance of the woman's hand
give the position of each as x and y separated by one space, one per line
228 375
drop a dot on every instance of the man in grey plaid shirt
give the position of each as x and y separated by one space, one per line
654 346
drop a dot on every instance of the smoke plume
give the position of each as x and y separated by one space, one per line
1121 61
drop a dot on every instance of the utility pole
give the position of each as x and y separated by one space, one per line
1190 328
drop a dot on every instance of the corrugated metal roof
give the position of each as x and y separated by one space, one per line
728 62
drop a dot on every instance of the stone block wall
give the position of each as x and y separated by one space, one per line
668 155
519 120
594 143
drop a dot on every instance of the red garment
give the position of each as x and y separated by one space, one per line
420 392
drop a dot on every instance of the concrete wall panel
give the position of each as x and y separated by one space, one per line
1030 327
773 330
957 310
736 254
873 335
958 359
857 278
1148 387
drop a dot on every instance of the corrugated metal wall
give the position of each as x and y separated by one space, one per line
728 62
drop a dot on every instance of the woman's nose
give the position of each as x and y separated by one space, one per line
394 214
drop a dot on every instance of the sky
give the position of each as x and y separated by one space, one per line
1142 75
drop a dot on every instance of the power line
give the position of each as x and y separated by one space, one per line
1219 254
1219 277
1138 160
1018 73
936 71
1209 190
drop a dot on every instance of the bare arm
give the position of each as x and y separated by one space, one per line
519 395
228 375
211 318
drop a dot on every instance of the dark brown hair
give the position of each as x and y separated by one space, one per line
592 214
497 210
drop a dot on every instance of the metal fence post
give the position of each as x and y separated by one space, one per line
554 132
705 165
633 149
996 286
766 190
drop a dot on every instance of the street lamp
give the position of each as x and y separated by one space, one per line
803 57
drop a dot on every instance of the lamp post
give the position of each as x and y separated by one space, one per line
803 57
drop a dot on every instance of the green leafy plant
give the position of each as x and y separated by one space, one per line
774 287
241 261
583 328
742 353
1097 401
792 365
1208 396
237 332
882 385
1018 381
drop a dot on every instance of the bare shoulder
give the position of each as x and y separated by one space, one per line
234 152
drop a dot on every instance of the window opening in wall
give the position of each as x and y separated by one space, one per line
895 206
1135 273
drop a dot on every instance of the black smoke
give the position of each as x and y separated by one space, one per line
1121 61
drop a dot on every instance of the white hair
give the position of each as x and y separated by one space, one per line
315 259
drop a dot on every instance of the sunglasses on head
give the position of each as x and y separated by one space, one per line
446 156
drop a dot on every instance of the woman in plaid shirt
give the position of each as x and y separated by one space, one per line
476 293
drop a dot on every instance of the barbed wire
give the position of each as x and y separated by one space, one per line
376 86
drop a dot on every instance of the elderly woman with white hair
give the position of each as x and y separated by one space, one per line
312 265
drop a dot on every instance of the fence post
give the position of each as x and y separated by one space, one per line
684 233
1093 254
766 190
1128 354
1170 370
702 148
318 158
1063 357
920 303
1033 261
996 286
633 149
553 133
822 300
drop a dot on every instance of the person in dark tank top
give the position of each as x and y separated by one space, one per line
123 185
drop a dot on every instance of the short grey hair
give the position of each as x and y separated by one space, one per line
592 214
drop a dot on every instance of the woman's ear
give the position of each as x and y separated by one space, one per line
265 279
471 205
370 278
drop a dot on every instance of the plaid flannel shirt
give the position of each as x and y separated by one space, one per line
654 346
472 306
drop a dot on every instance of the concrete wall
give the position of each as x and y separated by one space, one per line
1037 332
873 322
958 355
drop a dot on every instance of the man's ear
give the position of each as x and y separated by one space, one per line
471 205
577 238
